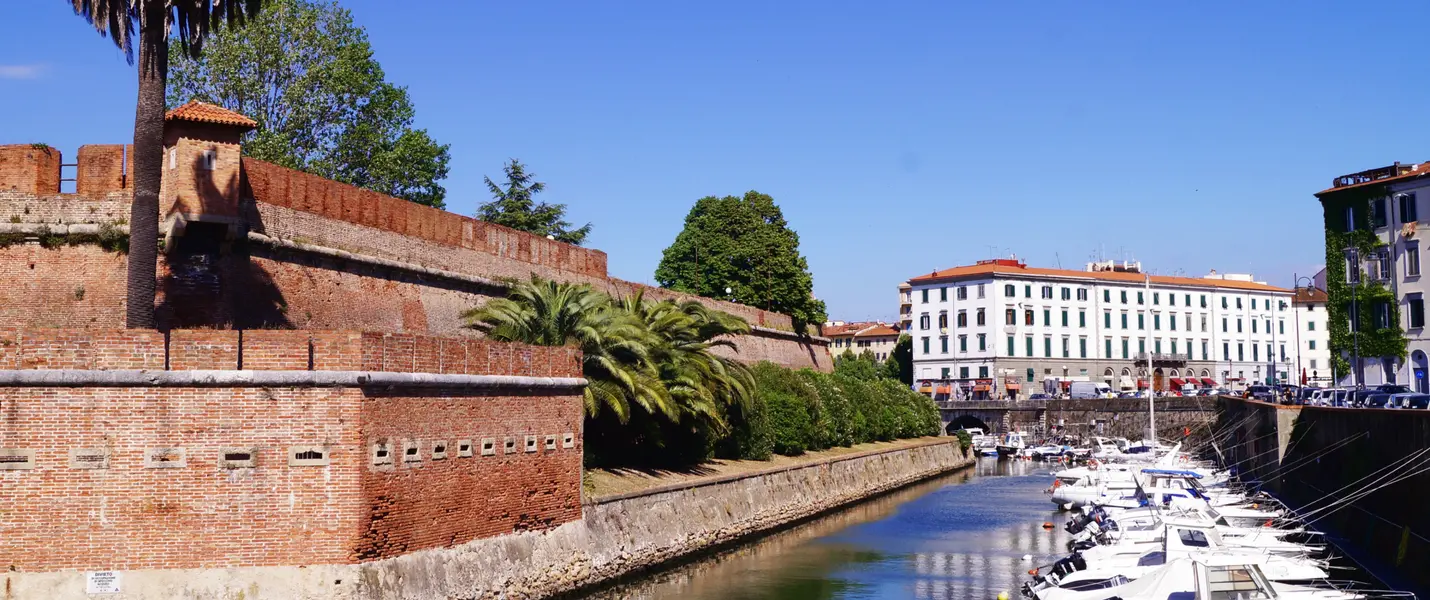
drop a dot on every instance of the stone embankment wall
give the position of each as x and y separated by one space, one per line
618 536
1314 457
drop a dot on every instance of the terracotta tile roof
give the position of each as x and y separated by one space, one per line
876 331
1415 172
1002 268
1310 295
861 329
203 112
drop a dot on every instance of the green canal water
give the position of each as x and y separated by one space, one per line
958 537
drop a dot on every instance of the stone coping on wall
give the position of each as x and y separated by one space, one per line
721 479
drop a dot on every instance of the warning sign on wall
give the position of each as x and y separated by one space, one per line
101 582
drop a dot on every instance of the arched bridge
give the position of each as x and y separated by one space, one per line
1111 416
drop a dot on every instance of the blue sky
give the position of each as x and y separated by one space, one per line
898 138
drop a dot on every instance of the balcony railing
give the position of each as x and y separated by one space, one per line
1160 358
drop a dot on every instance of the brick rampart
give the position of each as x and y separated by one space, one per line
221 476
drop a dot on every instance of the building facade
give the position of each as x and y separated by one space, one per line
1000 328
1388 343
1312 358
877 338
906 306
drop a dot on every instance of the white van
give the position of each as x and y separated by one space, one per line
1084 390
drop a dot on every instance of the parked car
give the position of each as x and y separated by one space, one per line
1378 400
1400 400
1040 396
1084 390
1414 400
1129 395
1264 393
1357 398
1339 397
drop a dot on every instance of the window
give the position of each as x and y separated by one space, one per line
1310 325
1141 321
1139 297
1253 304
1377 213
1313 367
1107 295
1082 318
1350 217
1408 212
1412 259
1124 296
943 294
943 343
943 373
1253 326
1204 300
1204 350
1028 291
981 320
1226 350
1107 319
1157 346
1067 293
1048 346
1065 317
1172 321
963 318
963 372
943 320
1010 346
1311 345
1124 348
1082 347
980 290
926 345
1382 315
1030 374
962 293
1193 537
1223 301
1010 291
1156 297
1283 352
1281 327
1204 322
1082 294
983 372
1028 317
1124 320
926 297
1048 292
1223 324
210 160
1238 303
1171 299
1417 312
1157 322
1010 317
1238 324
1255 353
1029 346
1066 354
1142 346
924 321
1107 348
1047 317
982 342
1240 354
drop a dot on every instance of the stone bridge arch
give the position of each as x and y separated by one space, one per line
965 422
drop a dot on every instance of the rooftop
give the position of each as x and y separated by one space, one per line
863 329
203 112
1310 295
1377 176
1014 268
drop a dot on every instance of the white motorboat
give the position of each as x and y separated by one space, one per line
1206 578
1011 444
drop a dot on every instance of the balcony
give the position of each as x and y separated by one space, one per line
1160 359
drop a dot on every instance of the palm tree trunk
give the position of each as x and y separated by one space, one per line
148 165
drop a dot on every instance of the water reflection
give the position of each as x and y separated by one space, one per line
957 537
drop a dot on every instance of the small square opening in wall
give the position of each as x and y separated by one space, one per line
531 443
411 453
551 442
308 456
166 458
16 459
89 458
464 448
489 446
237 458
381 453
568 440
439 450
509 445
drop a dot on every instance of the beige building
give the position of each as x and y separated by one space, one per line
876 337
906 306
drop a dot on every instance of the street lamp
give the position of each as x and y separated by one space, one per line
1310 283
1353 277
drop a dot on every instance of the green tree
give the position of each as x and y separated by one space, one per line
860 366
900 364
307 75
515 206
701 382
616 347
742 244
154 21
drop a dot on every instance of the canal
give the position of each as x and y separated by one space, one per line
961 536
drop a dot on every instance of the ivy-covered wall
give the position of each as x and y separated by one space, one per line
1374 341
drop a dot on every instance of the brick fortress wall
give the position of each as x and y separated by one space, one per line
379 265
108 477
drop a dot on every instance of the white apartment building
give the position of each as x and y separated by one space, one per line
876 338
1000 328
1399 195
1311 361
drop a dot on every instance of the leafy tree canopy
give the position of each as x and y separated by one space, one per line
742 244
515 206
860 366
307 75
900 364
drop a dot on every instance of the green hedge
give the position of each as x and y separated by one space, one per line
800 411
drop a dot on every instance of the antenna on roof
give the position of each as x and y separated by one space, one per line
1059 260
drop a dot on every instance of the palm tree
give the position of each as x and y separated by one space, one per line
702 382
615 347
154 19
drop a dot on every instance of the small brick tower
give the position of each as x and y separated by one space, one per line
202 167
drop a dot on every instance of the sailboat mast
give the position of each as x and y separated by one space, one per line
1151 383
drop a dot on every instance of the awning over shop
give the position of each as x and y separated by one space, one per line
1126 381
1013 387
980 388
1141 384
944 389
1209 382
1178 382
926 388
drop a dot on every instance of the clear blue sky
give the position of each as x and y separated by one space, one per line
898 137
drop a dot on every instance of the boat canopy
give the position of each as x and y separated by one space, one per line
1173 473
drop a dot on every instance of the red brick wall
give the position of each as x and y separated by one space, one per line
129 516
29 168
102 169
79 286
